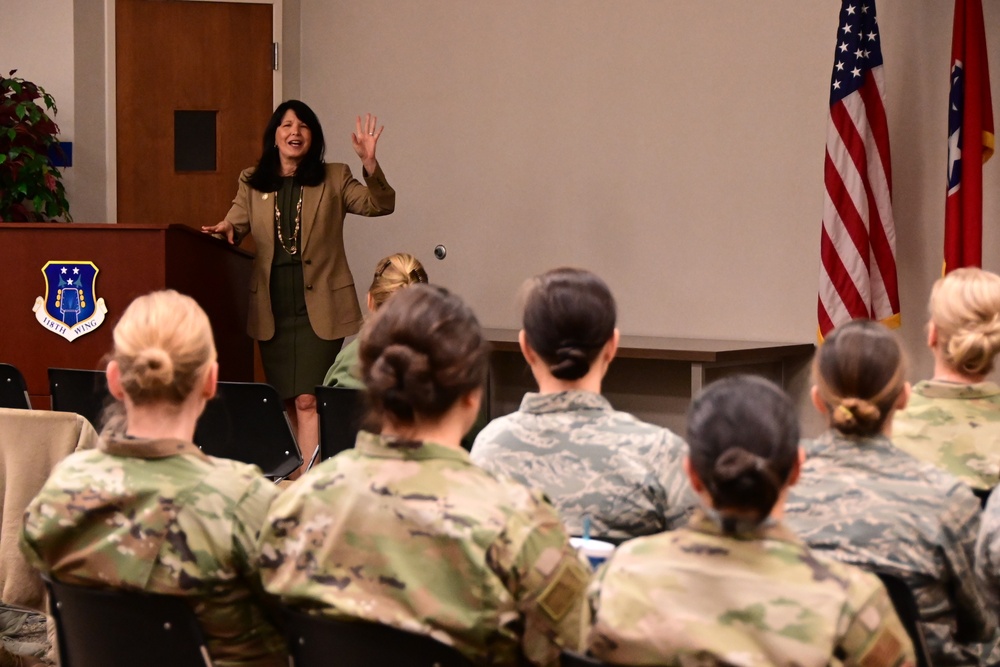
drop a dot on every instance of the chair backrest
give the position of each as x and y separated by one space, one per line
319 641
246 421
13 389
908 612
98 627
571 659
340 414
983 495
81 391
32 443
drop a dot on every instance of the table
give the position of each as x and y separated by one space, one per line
701 355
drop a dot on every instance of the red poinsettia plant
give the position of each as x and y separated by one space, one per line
31 189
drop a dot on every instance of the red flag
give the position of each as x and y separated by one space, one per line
858 241
970 137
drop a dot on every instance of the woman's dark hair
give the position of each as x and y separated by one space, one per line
311 171
420 353
743 435
569 315
860 371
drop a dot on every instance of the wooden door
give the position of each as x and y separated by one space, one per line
197 72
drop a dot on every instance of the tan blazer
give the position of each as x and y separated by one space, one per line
331 300
32 442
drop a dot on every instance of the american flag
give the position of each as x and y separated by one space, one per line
858 243
970 137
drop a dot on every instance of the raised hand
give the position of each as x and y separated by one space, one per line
364 140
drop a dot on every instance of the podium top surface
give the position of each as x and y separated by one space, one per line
62 227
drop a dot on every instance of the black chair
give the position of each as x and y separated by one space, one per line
97 627
908 612
315 641
983 495
340 414
570 659
13 389
81 391
246 421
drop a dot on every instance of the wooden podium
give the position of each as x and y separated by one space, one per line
131 261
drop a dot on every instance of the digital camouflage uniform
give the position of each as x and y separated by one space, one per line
863 501
954 426
161 516
415 536
988 553
590 459
697 597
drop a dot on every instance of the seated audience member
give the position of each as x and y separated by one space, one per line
735 586
147 510
392 273
863 501
953 420
988 553
567 440
404 530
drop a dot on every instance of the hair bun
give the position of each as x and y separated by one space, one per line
734 463
855 415
739 474
572 363
402 376
153 368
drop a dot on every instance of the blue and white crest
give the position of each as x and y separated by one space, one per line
70 307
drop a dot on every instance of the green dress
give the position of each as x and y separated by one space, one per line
295 358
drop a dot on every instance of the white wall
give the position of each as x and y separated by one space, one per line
675 147
36 39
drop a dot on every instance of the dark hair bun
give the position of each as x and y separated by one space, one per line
569 316
402 377
420 353
743 439
572 363
738 475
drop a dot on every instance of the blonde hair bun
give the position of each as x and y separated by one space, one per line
153 368
855 415
965 310
163 347
392 274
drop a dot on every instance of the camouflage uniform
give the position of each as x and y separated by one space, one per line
697 597
988 552
344 371
862 501
161 516
413 535
591 460
954 426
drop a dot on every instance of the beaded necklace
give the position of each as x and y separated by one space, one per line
298 222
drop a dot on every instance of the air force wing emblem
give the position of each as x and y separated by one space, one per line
70 307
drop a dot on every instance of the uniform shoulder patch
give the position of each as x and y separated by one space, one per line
562 592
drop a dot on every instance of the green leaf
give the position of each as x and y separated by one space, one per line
20 111
3 158
11 133
15 86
